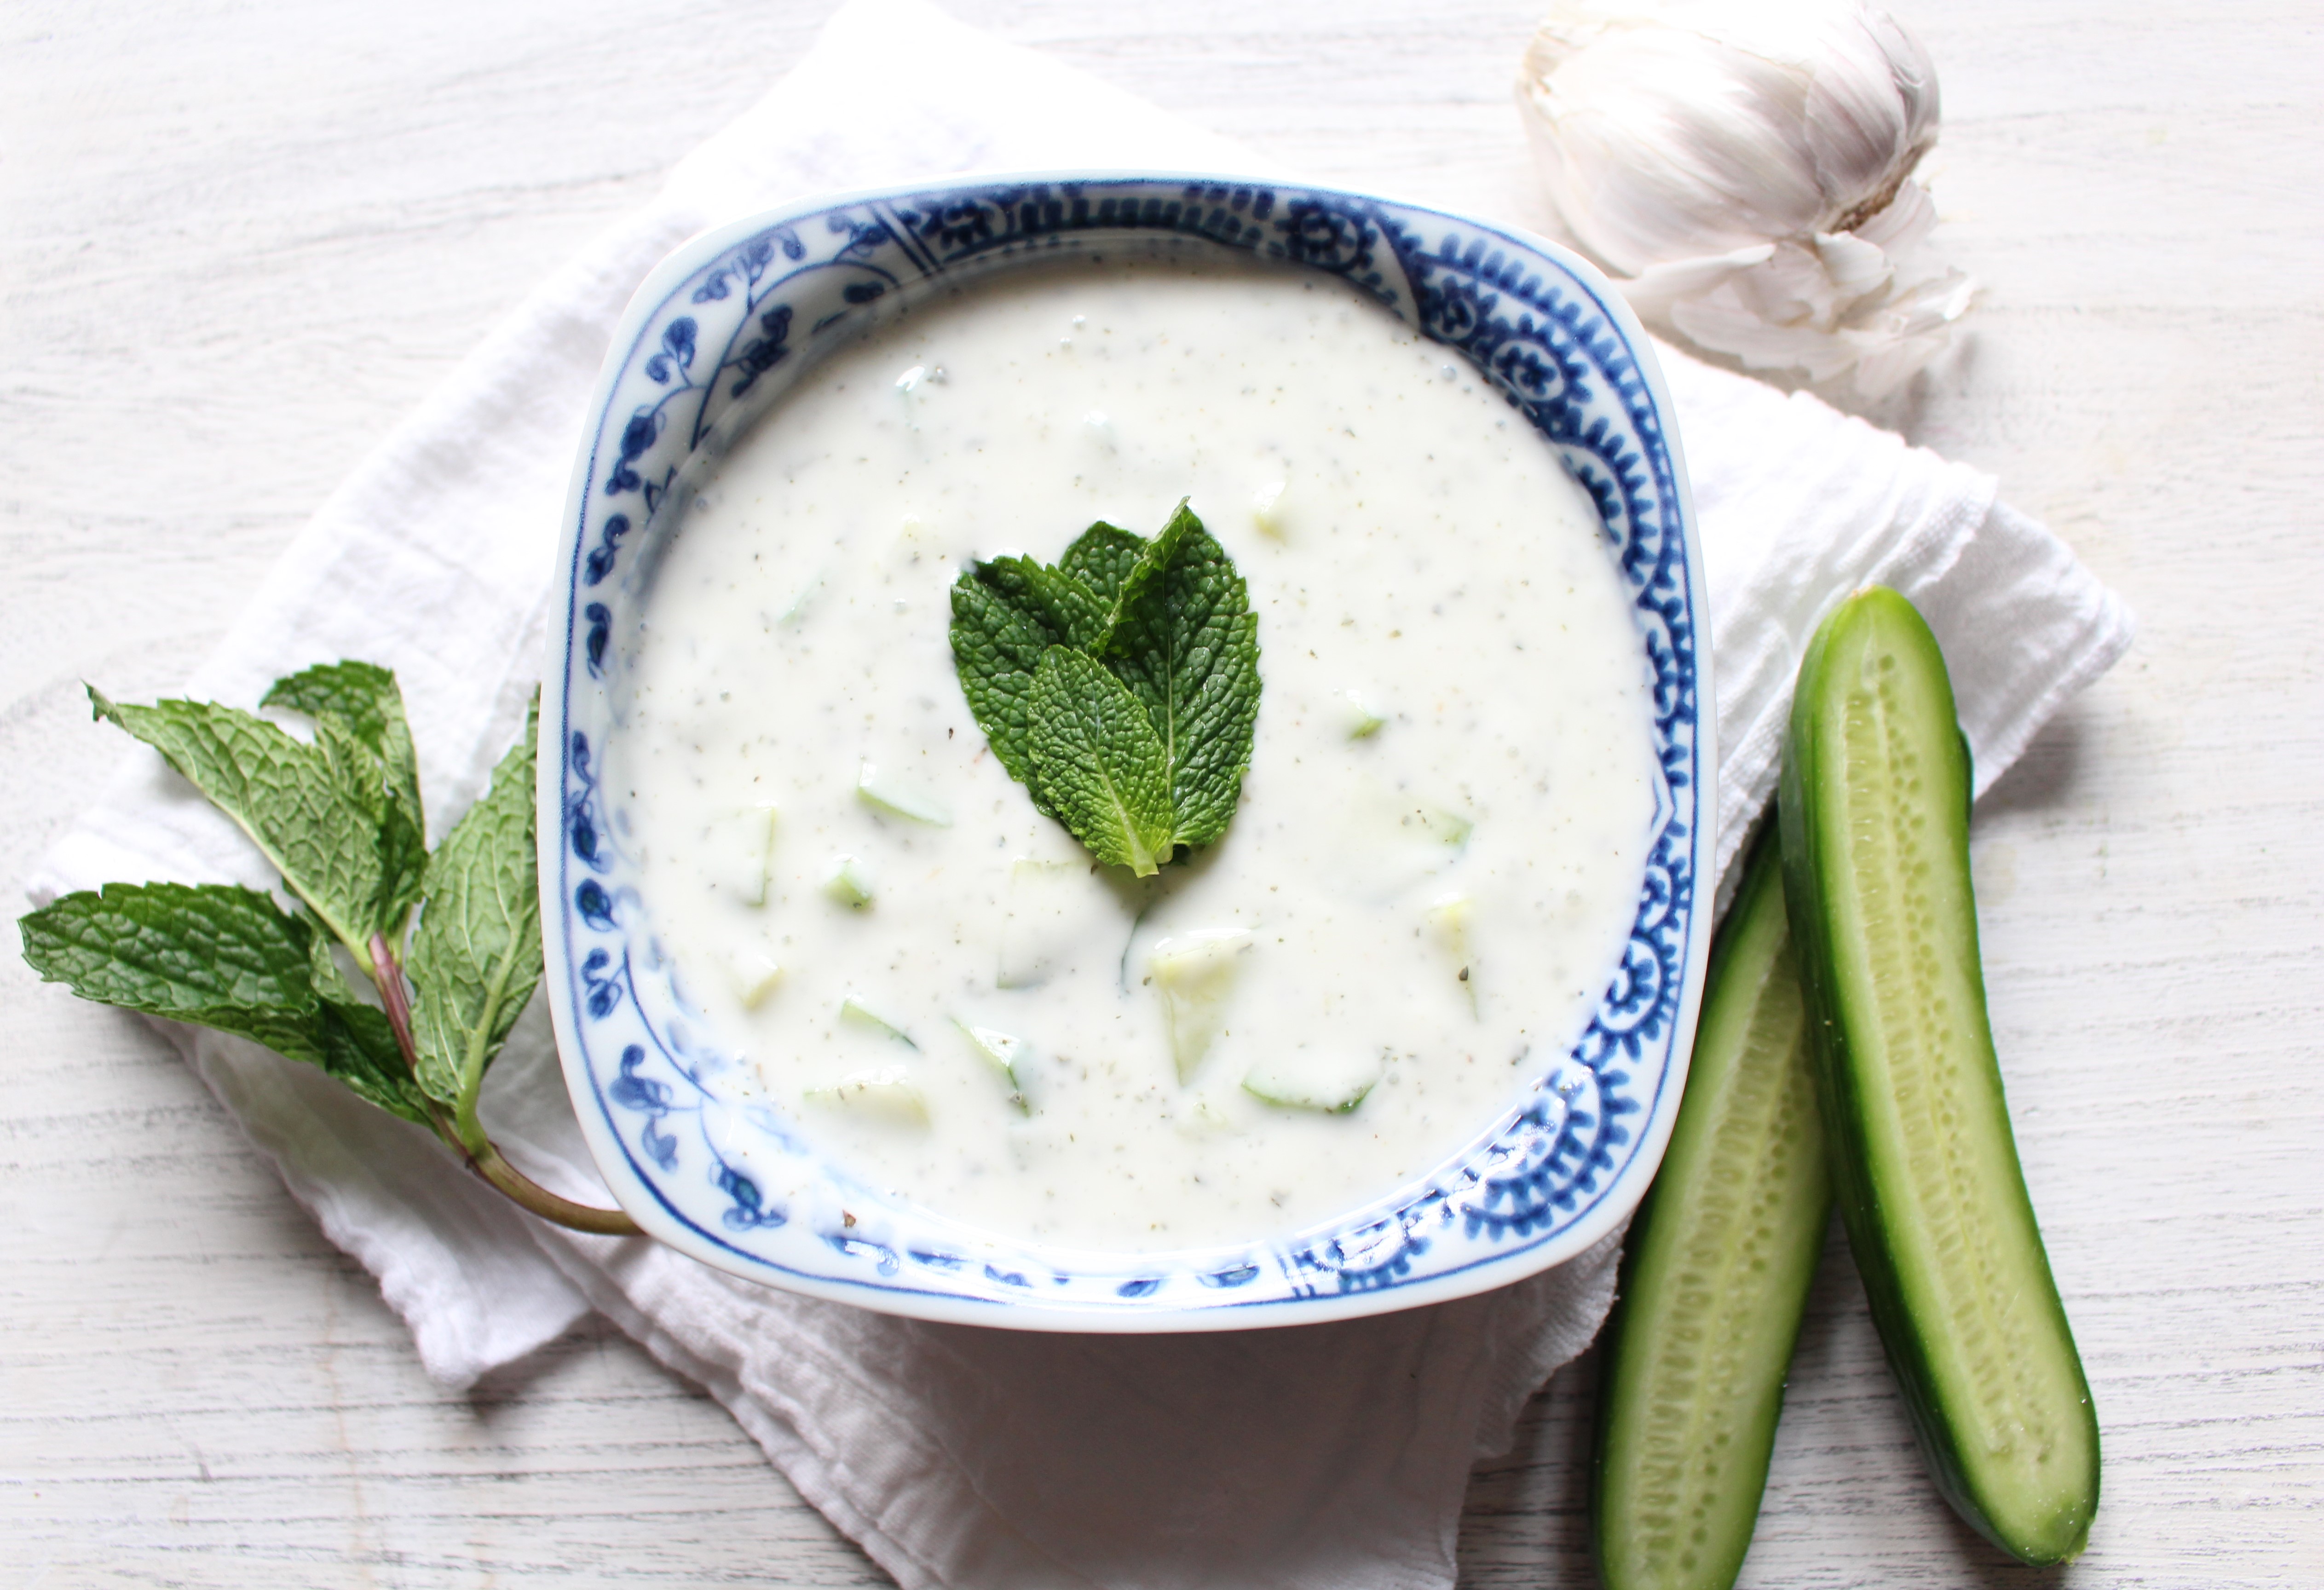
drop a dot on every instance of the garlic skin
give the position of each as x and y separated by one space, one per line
1744 170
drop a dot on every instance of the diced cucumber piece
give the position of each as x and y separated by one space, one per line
1195 974
856 1011
755 974
885 791
1715 1274
847 882
1405 836
1333 1083
914 543
796 611
744 843
1002 1052
1357 716
1268 509
1875 804
1203 1121
887 1095
1448 924
1447 827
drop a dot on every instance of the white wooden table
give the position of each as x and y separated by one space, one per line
202 203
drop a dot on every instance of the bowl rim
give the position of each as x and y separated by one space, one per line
1607 1211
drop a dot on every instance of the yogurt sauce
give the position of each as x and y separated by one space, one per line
1442 836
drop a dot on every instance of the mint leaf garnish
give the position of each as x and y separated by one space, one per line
1077 614
218 956
476 953
997 643
1098 761
1186 642
1102 558
1048 657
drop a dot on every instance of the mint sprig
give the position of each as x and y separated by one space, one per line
339 817
1120 684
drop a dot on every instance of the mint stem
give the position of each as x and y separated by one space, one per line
466 1136
525 1192
388 977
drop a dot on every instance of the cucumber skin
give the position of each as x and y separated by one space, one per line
1749 948
1808 854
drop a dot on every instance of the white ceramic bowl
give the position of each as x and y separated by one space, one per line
728 322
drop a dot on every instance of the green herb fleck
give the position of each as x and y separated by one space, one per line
1120 686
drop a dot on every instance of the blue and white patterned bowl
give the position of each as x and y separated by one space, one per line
730 320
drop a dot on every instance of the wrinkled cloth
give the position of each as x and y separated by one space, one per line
1328 1456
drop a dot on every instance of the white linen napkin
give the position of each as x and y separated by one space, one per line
1319 1456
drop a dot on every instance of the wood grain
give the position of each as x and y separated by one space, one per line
238 240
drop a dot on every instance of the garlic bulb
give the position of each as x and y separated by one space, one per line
1743 169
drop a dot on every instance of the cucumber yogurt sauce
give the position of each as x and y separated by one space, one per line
1427 886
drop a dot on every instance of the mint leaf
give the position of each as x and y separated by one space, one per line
1102 558
996 646
217 956
476 953
1006 613
365 700
359 1048
399 846
1168 621
167 948
358 1041
1061 604
1153 558
317 812
1186 642
1098 761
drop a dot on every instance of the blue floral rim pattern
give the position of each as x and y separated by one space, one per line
732 320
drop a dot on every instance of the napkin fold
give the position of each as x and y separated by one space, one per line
1327 1456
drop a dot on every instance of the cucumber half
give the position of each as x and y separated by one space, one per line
1875 824
1715 1274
